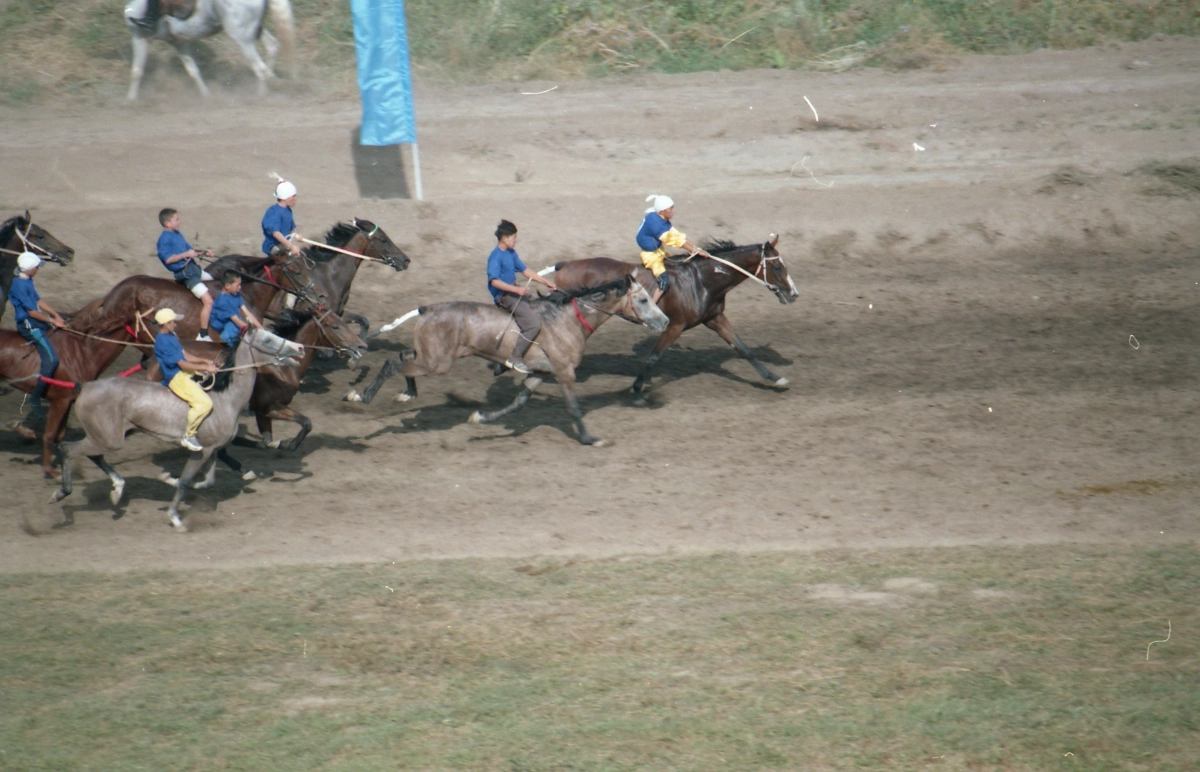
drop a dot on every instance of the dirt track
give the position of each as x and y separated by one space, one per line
934 284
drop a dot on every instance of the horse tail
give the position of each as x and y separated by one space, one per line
285 30
399 321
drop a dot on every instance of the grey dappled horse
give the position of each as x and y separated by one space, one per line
110 408
242 20
448 331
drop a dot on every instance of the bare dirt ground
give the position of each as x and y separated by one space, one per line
960 358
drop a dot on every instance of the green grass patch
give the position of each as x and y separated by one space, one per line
971 658
86 40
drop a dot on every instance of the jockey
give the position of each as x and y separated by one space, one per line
502 267
34 320
180 259
277 224
173 360
230 317
657 230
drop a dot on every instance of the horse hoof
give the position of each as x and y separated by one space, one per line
115 495
58 496
598 443
24 431
179 528
353 396
476 417
781 382
249 475
274 444
403 396
50 474
168 479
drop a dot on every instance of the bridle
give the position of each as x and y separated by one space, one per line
320 318
763 259
29 246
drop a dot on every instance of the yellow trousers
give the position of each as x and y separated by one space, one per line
654 260
200 404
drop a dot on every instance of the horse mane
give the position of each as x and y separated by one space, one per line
93 319
562 297
713 246
222 379
8 227
337 236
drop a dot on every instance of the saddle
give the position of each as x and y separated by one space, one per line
180 9
246 264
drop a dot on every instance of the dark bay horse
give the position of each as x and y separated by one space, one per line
448 331
337 270
697 294
19 234
81 359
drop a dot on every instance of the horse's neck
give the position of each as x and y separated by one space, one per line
307 336
83 359
344 268
725 278
258 297
242 382
8 264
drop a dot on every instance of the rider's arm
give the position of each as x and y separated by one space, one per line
506 287
198 364
532 275
250 318
44 313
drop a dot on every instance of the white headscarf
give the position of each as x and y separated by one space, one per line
27 261
660 203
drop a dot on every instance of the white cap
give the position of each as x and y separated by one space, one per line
284 190
165 315
659 203
27 261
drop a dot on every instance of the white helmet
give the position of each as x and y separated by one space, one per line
659 204
27 261
284 190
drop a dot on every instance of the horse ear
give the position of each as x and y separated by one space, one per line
773 239
27 218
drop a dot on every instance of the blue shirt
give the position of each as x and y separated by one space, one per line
652 228
24 298
503 264
168 351
277 218
171 243
224 308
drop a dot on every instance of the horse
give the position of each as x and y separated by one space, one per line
108 409
361 237
277 386
697 293
242 21
82 357
19 234
449 331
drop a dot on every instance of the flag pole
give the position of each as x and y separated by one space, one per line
416 157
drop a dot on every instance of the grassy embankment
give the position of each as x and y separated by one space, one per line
57 48
1028 658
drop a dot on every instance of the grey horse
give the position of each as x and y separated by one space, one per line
449 331
242 20
111 407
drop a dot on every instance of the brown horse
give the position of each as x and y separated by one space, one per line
448 331
697 293
19 234
81 358
337 270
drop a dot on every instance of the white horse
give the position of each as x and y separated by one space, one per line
242 20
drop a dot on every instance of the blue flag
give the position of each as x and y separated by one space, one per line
384 78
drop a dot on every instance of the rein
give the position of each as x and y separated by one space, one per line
29 245
341 251
579 316
762 266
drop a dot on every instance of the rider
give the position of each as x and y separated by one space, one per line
173 359
179 258
230 316
657 230
34 319
502 267
278 224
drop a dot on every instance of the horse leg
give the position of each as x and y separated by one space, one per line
141 49
67 451
566 379
364 324
56 426
721 326
185 55
228 460
669 336
209 470
528 386
288 414
410 389
118 481
271 45
261 71
263 420
389 368
192 466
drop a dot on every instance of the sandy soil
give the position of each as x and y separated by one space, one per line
960 358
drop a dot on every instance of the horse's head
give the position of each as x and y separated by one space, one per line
637 305
336 333
298 275
380 246
775 273
283 352
33 238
